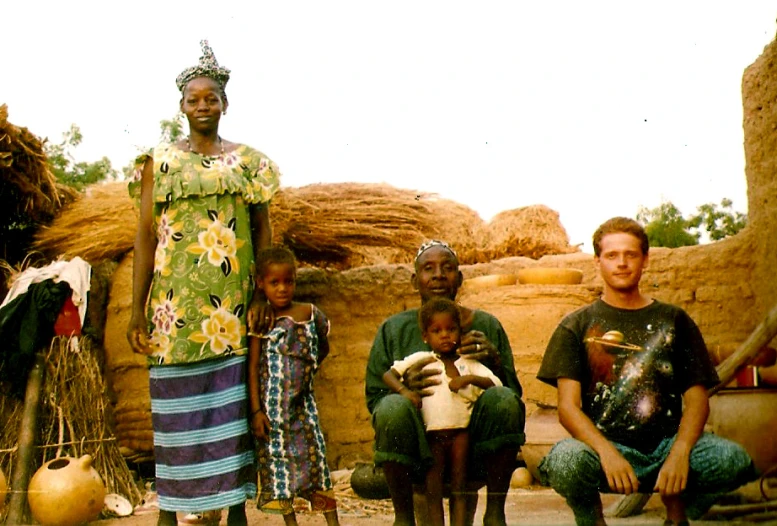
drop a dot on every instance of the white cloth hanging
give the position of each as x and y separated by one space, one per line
76 272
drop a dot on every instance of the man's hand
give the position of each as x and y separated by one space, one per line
673 477
620 475
419 380
476 346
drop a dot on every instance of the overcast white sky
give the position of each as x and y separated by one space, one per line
591 108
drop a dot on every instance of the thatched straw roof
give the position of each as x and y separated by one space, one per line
352 224
339 225
531 231
100 225
30 196
28 190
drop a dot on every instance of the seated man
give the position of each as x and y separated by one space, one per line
496 425
632 376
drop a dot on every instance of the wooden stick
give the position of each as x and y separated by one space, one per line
761 335
17 507
742 509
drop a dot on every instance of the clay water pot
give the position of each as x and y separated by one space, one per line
66 491
747 416
489 281
550 276
521 478
369 482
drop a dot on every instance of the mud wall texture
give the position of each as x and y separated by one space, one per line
759 96
727 287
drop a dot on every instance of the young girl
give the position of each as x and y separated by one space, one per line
291 453
446 412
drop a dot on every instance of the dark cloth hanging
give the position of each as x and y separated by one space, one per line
26 325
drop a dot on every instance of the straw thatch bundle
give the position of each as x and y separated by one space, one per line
338 225
29 193
531 231
27 187
331 225
72 418
350 224
100 225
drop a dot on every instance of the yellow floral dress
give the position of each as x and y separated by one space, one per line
204 259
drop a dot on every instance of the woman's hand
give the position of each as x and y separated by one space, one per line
418 379
260 425
476 346
137 335
261 316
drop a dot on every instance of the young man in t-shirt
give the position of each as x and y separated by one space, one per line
632 375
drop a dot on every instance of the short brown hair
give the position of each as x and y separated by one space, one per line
438 306
617 225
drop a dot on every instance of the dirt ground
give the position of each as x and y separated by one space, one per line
532 506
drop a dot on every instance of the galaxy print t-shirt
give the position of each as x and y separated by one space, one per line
633 367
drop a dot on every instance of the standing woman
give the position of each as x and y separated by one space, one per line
204 205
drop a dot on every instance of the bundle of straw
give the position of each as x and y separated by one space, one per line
100 225
323 224
531 231
337 225
72 420
27 187
330 225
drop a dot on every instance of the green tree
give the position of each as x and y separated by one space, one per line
720 221
170 131
665 226
67 171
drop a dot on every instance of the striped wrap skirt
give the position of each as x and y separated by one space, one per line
203 446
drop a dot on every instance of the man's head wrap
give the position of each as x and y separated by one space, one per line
434 243
207 67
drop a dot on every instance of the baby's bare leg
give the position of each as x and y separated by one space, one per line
457 460
434 481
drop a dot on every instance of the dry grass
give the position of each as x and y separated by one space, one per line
72 418
531 231
27 186
100 225
338 225
349 224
